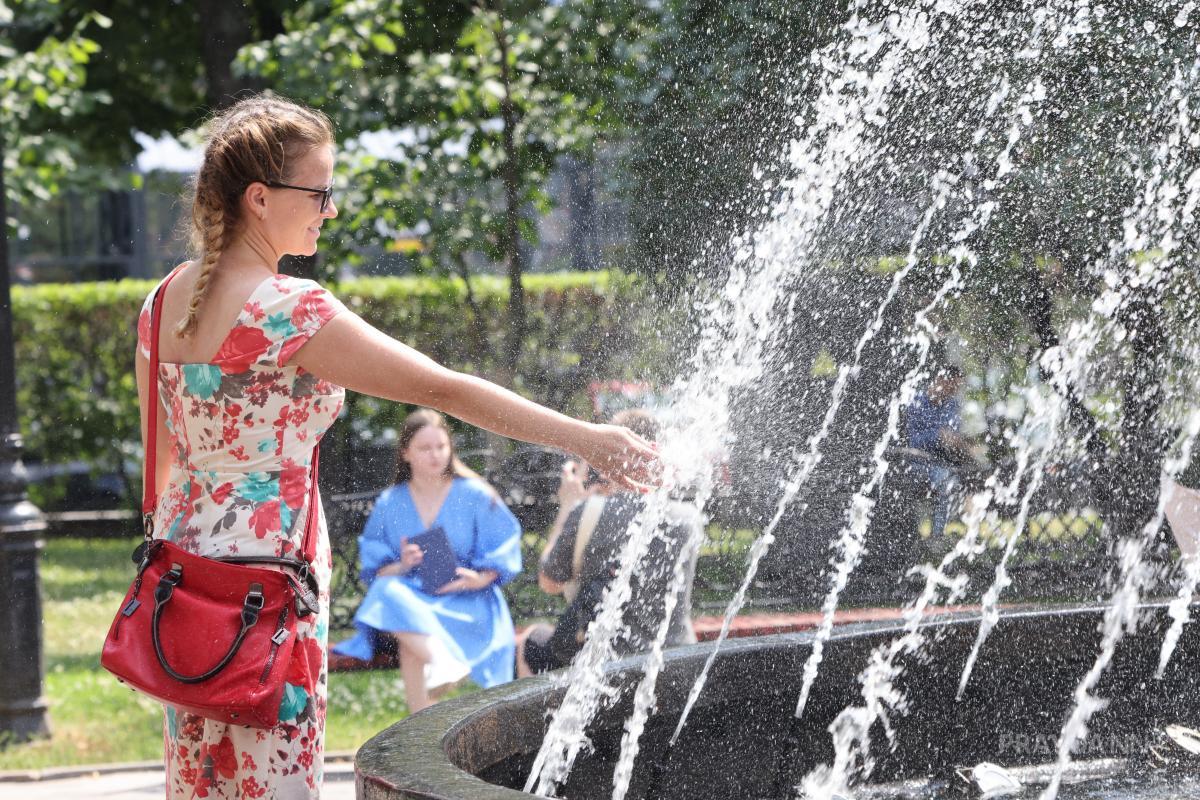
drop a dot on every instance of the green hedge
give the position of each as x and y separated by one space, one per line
75 343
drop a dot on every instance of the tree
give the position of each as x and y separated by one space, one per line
479 107
42 83
114 79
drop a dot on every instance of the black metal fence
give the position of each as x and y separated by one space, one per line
1063 553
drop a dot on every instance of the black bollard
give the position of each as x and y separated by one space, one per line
22 706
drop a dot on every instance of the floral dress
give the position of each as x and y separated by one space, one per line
242 431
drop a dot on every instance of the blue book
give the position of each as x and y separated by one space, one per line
440 564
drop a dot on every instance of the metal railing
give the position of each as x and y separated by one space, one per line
1064 552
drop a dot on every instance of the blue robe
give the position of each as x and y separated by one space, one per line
475 626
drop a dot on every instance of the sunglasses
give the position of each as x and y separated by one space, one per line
326 193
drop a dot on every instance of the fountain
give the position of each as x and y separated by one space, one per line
744 741
1038 162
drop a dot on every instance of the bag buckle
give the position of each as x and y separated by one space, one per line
167 583
148 524
253 604
280 636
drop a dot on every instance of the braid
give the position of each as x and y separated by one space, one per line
210 228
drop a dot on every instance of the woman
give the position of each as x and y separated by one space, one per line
441 631
253 366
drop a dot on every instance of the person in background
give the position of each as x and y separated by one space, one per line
442 633
580 560
932 426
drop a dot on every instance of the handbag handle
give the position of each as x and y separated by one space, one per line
251 606
308 546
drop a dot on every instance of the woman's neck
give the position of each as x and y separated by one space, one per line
427 484
252 251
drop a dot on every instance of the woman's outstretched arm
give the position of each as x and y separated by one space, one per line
349 352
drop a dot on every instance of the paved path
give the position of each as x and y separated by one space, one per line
143 784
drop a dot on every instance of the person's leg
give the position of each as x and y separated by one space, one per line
943 485
539 635
414 655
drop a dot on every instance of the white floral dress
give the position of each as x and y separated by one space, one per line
242 432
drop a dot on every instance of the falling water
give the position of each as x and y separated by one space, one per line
865 78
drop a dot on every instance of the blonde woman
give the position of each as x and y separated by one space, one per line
453 620
253 370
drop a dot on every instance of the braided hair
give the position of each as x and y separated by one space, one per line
255 139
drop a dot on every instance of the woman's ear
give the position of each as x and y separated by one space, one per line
254 201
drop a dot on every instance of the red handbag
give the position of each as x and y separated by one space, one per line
209 636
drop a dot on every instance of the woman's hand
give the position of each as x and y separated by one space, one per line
470 580
621 456
410 556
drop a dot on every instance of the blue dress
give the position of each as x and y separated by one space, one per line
475 626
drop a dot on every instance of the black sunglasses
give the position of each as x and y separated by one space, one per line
326 193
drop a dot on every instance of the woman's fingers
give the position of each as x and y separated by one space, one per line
628 460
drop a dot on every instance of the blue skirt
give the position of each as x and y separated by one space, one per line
475 627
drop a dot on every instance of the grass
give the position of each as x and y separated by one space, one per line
83 582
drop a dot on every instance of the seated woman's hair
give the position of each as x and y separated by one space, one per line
258 138
638 420
413 424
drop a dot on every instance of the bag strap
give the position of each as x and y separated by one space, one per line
308 548
592 508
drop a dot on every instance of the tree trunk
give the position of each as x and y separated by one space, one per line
226 27
1134 481
510 174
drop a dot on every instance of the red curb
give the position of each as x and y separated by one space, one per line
707 629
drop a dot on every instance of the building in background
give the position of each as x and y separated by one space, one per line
139 233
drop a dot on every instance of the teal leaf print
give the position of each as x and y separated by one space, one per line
202 380
265 445
259 487
279 325
285 517
293 702
172 723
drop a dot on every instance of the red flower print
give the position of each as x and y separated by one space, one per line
248 762
222 492
143 328
265 519
240 349
305 666
250 788
293 484
224 758
312 309
255 310
305 758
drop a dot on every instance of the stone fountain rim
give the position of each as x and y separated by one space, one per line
415 751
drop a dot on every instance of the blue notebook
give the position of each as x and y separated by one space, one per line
440 564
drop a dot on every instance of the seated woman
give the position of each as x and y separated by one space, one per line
442 632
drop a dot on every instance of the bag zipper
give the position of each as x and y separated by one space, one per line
280 636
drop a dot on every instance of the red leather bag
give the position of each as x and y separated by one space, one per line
209 636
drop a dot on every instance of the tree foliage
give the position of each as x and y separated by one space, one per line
43 75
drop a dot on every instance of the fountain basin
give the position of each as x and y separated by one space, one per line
743 741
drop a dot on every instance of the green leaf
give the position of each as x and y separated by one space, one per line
383 43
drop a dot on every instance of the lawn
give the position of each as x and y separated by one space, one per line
83 581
